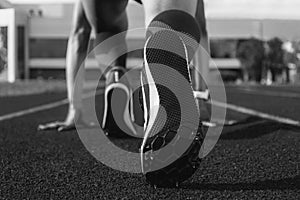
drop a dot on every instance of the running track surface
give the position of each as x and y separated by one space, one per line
256 159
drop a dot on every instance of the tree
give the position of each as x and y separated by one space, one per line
275 57
251 54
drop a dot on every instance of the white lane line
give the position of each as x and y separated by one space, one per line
269 93
263 115
42 107
33 110
216 103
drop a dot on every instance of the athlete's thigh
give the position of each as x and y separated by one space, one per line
106 15
154 7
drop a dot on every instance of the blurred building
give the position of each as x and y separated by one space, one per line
48 24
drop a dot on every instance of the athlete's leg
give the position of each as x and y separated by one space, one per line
176 15
202 57
173 36
171 24
108 18
152 9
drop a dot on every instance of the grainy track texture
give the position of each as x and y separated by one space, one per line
258 159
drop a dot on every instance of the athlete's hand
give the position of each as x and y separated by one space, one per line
60 126
66 125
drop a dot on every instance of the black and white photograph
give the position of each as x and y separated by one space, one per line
149 99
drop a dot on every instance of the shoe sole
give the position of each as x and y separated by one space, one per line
166 71
117 120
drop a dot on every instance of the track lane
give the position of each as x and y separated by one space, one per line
258 159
